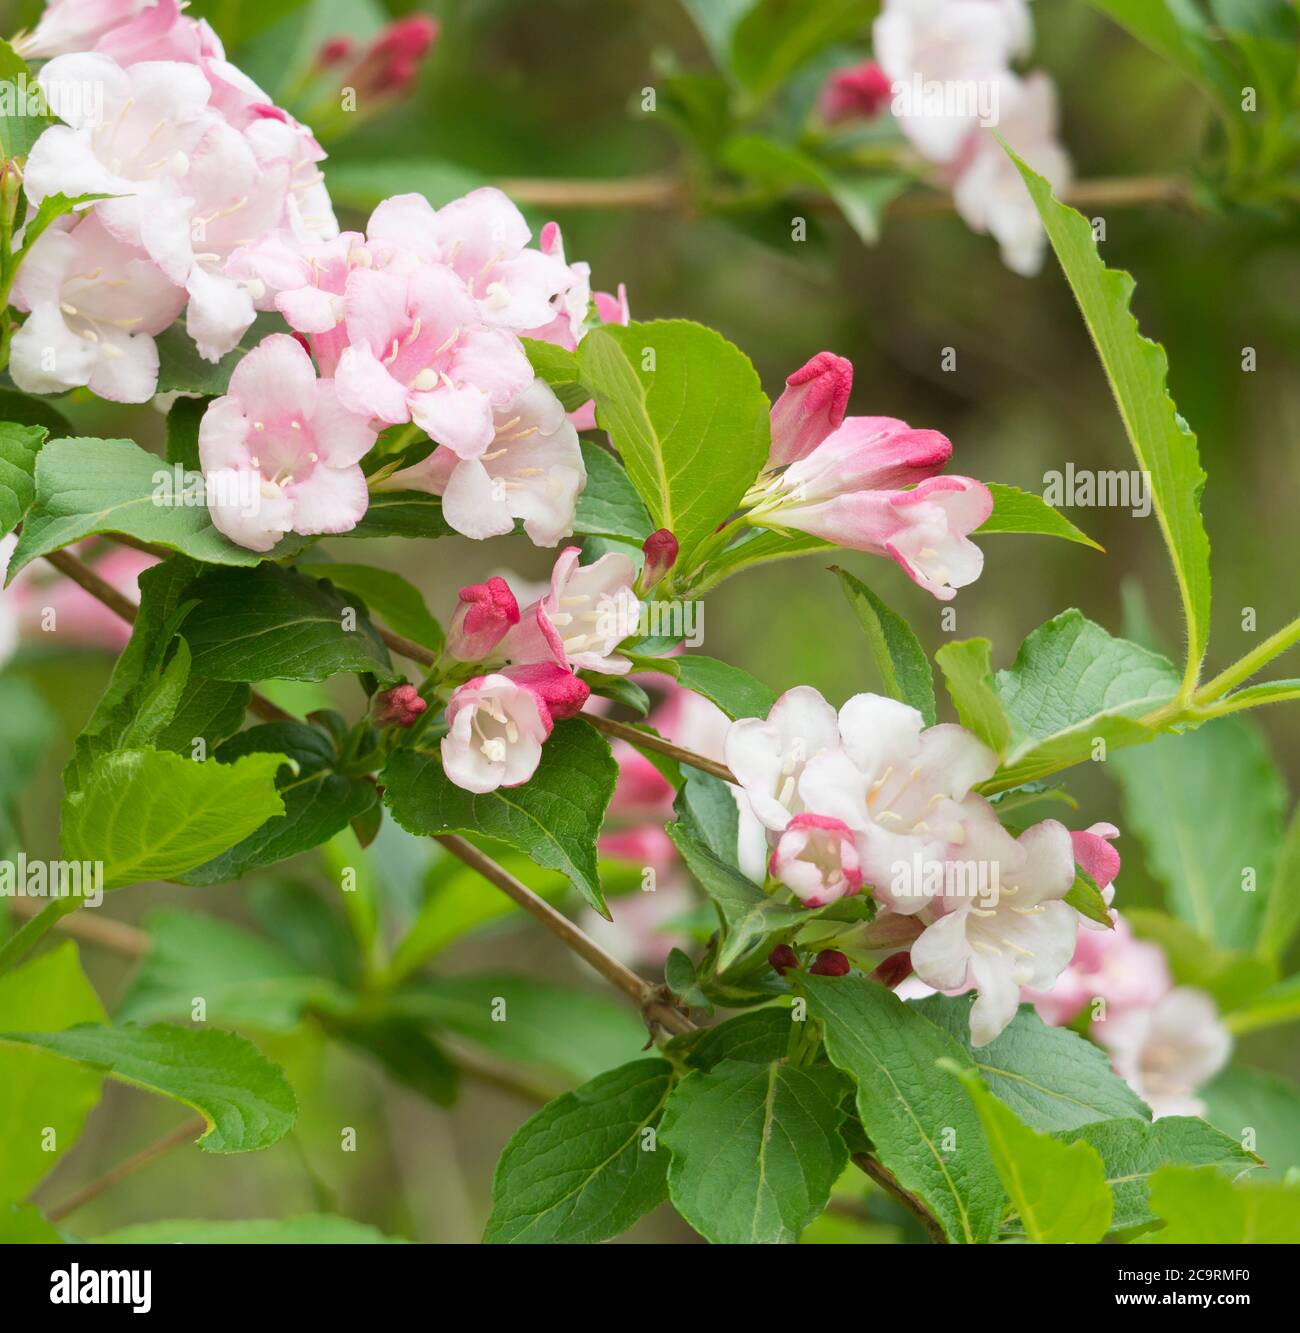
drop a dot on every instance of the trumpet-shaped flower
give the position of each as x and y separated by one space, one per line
817 860
495 730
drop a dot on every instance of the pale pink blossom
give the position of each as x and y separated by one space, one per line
1111 966
95 304
811 407
533 470
281 436
159 32
76 25
1168 1051
418 351
485 613
495 730
580 622
816 858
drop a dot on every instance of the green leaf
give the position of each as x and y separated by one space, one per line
238 1091
586 1166
569 1032
1015 510
183 421
692 432
86 486
748 914
559 368
148 815
900 659
775 37
707 806
25 409
38 1091
308 1229
1132 1150
1058 1190
182 370
23 1224
402 514
1208 808
1086 899
968 674
609 505
1136 368
19 130
396 602
19 446
1259 1110
756 1149
735 691
760 1036
1199 1206
1277 1005
276 624
1234 977
554 818
243 978
1052 1078
908 1108
1070 686
27 731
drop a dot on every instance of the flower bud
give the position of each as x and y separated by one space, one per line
783 958
333 51
894 970
830 963
486 612
860 92
563 693
813 404
398 707
660 549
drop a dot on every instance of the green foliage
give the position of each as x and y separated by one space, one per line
904 668
736 692
1198 1205
310 1229
397 602
19 446
1015 510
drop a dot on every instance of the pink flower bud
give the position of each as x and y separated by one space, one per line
830 963
660 549
813 404
860 92
563 693
783 958
333 51
398 707
894 970
486 612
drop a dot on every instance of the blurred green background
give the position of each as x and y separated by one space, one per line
553 88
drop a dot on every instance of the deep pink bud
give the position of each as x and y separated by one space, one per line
486 612
860 92
398 707
894 970
830 963
563 693
813 404
783 958
660 549
334 50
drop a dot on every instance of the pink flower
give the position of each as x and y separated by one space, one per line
419 352
533 470
486 612
95 305
860 92
76 25
282 450
160 32
563 693
579 623
389 64
817 860
1093 852
1112 966
496 727
811 407
849 490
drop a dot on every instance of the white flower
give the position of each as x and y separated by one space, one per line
496 727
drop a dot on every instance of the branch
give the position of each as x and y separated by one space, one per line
115 936
885 1179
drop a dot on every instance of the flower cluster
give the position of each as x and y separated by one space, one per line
868 483
944 69
870 796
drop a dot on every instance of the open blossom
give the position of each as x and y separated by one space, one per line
495 730
95 304
817 860
850 490
533 470
1167 1051
485 613
579 623
1020 935
76 25
285 451
1111 966
811 407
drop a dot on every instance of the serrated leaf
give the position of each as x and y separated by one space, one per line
579 1171
734 690
1058 1190
148 814
1086 899
558 366
900 659
1015 510
1208 809
609 505
19 446
389 596
760 1036
555 817
1137 369
277 624
968 673
238 1091
692 432
756 1149
1052 1078
308 1229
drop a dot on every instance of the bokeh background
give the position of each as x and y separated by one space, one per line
553 88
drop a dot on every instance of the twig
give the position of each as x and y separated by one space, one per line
116 936
85 577
659 191
885 1179
183 1133
649 741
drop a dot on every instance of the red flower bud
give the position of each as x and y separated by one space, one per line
830 963
486 612
894 970
813 404
333 50
563 693
783 958
860 92
660 549
398 707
